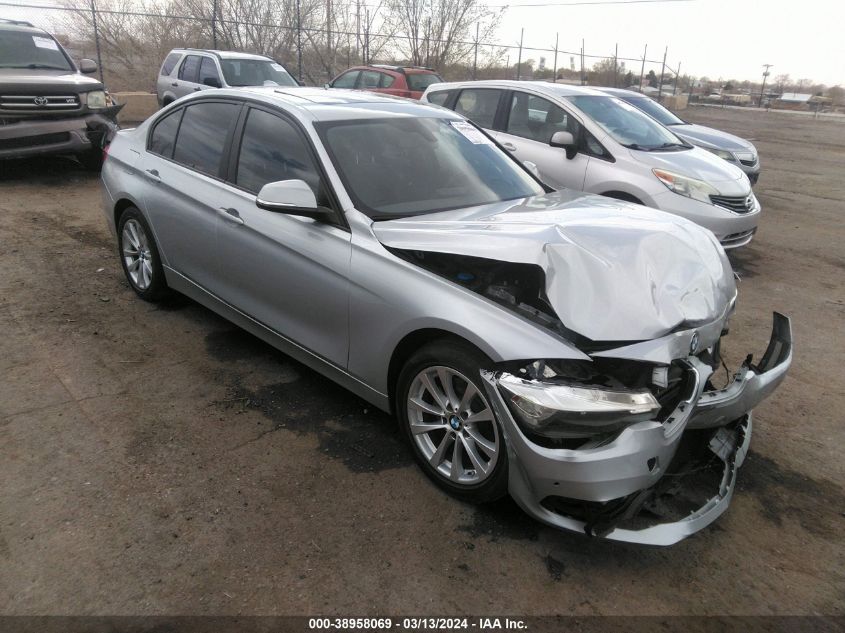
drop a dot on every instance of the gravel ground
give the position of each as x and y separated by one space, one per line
156 460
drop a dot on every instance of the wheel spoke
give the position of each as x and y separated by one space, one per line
133 267
426 427
435 392
485 415
425 407
133 235
457 466
486 445
440 453
466 399
469 446
446 380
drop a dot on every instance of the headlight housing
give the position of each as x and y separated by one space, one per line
96 99
721 153
566 410
685 186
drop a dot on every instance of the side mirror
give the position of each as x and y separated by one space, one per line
293 197
87 66
566 141
327 86
532 167
213 82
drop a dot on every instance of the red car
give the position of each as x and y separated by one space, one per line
400 81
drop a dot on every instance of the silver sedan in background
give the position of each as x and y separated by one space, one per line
557 346
733 149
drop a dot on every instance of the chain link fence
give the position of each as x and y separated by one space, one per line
315 40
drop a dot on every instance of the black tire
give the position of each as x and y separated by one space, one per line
467 361
621 195
156 289
92 160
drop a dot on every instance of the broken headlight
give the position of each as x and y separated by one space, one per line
96 99
562 410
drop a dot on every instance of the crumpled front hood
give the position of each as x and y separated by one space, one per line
708 137
614 271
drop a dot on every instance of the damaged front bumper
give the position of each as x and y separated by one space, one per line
657 481
25 137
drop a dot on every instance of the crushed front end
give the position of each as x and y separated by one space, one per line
637 445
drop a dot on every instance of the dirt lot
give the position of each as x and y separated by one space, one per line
155 460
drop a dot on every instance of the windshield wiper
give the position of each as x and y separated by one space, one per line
666 146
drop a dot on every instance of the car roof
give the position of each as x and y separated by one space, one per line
621 92
221 54
333 105
21 26
556 90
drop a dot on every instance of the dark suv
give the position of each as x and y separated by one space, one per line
399 81
47 104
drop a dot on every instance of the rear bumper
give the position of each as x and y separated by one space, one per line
616 489
24 138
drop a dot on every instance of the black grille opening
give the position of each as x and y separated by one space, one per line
34 141
737 204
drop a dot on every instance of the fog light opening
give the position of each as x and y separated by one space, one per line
652 464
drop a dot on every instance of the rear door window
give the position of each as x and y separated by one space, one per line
347 80
163 138
202 136
479 105
170 63
189 71
386 80
537 119
208 70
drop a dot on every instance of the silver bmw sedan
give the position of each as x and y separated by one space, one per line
556 346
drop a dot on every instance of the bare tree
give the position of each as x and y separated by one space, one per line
439 32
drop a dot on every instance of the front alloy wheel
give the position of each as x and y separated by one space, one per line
447 417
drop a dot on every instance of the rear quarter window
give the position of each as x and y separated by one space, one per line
421 81
438 98
163 137
170 63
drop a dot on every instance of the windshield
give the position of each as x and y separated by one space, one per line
255 72
39 51
412 165
654 110
626 124
421 81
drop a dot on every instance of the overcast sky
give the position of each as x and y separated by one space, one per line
730 39
716 38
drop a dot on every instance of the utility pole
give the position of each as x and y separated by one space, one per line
662 74
214 24
763 88
615 63
642 68
97 40
366 36
583 74
330 69
299 41
677 79
475 57
357 29
554 74
519 60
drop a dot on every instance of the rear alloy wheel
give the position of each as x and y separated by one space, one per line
451 425
139 256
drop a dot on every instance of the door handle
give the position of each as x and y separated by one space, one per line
175 84
509 146
197 88
230 214
152 174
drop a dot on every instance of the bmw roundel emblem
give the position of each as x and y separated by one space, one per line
693 343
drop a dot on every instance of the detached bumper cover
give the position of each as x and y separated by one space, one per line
615 485
24 137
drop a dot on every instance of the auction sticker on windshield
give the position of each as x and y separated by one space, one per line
45 42
472 133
